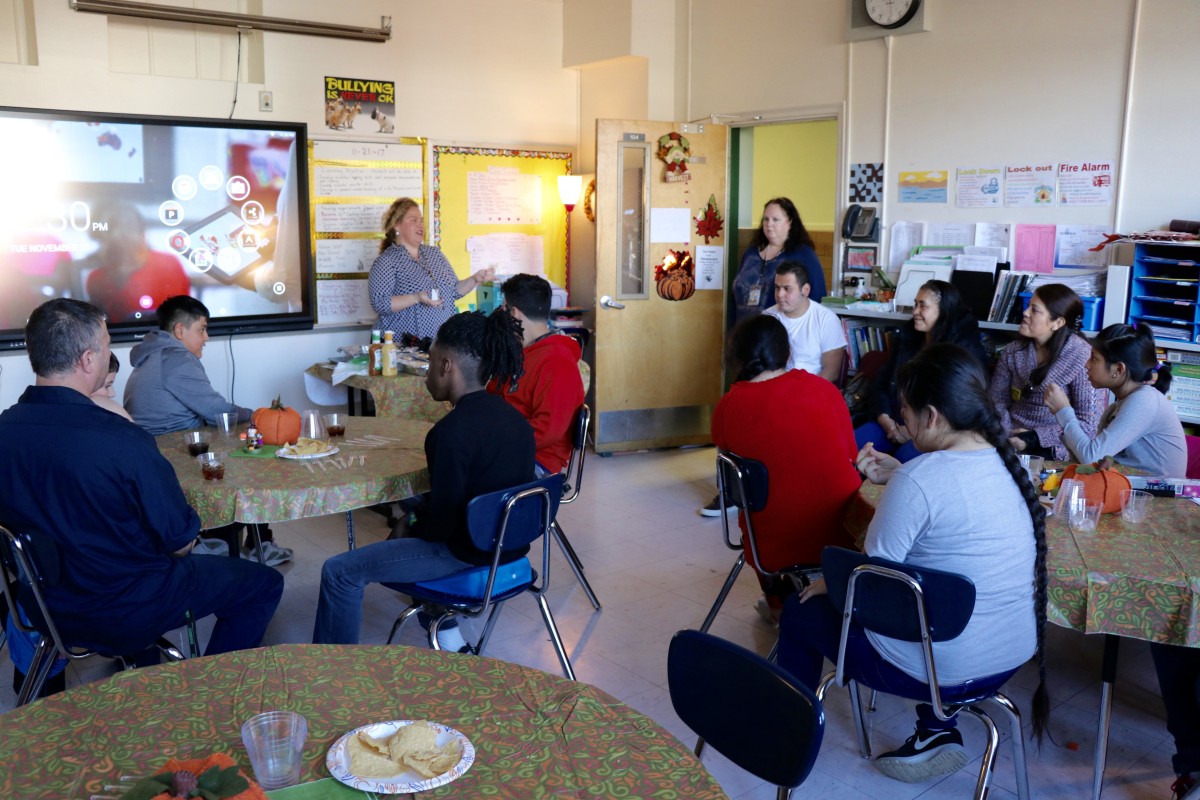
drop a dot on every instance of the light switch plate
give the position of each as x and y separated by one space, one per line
266 101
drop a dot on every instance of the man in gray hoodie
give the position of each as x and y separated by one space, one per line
169 389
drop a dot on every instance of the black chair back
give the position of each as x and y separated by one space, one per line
31 565
526 519
756 714
573 478
753 479
887 604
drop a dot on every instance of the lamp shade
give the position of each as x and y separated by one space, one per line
569 189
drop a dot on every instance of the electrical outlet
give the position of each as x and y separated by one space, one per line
266 101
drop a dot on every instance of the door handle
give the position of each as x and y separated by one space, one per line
608 302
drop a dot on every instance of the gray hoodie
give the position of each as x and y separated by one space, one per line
169 389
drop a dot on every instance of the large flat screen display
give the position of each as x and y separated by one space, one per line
125 212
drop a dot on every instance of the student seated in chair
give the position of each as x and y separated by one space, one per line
551 391
965 506
98 487
483 445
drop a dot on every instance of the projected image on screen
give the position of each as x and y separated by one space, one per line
126 214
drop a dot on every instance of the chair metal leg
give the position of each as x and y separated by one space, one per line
548 618
349 530
1018 743
860 721
699 747
871 704
404 617
39 670
771 656
720 601
488 626
168 649
989 754
256 531
574 562
783 793
1108 676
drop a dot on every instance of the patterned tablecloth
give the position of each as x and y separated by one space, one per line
1140 581
380 460
401 395
535 734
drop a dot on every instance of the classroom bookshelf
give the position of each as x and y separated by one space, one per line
1165 293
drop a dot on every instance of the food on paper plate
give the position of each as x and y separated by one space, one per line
308 447
413 747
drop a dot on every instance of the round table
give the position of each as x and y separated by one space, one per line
399 395
535 735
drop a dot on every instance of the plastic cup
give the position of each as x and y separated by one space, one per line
1084 515
195 442
311 425
275 743
212 467
1068 492
1135 505
335 424
227 423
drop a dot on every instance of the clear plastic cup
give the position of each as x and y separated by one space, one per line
275 743
312 426
1068 491
1084 515
227 423
196 442
335 424
212 466
1135 505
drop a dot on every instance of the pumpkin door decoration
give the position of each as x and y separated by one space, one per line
675 151
675 277
709 222
1099 485
278 424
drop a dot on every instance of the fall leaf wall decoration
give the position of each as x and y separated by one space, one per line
709 222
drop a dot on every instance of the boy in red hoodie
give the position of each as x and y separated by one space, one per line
551 390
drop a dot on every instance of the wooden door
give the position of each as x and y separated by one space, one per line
658 362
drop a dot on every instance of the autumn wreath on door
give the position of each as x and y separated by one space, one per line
675 276
675 151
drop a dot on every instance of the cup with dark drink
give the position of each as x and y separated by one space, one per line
196 442
211 466
335 424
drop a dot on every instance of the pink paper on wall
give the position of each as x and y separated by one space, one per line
1033 248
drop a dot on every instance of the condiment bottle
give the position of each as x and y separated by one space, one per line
375 355
389 354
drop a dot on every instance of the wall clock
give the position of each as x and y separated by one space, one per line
891 14
875 19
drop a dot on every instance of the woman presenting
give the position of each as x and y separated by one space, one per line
780 237
1047 352
412 285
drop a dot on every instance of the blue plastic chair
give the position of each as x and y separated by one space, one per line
753 712
29 570
916 604
498 523
745 482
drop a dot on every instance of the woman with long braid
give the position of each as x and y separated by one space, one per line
483 445
965 506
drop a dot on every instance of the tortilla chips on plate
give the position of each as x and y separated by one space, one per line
413 747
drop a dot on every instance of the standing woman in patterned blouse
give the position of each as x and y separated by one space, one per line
407 272
1047 352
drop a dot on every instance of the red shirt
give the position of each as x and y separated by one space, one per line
797 425
548 395
160 277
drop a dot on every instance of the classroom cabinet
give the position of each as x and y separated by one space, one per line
1165 291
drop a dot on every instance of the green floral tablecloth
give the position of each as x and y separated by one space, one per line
535 734
401 395
1140 581
379 460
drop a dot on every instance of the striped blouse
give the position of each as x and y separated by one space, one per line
396 272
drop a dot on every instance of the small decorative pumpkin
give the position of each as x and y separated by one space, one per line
674 278
278 424
1099 485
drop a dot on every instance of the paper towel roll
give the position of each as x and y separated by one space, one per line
1185 226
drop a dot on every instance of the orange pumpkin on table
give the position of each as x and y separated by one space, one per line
1099 485
278 424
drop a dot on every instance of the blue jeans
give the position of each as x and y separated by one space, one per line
344 576
810 632
873 432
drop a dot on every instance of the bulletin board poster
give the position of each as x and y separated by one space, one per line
499 208
351 185
1085 183
929 186
360 106
978 187
1029 185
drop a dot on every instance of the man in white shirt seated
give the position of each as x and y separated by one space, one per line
814 332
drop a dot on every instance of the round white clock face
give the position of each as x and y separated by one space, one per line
891 13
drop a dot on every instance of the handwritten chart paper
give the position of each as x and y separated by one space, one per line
504 196
979 187
343 301
346 255
359 182
349 218
1085 183
507 253
1033 248
1028 185
1075 243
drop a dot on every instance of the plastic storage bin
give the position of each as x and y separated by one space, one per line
1093 310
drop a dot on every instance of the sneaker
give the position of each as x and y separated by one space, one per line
768 614
210 547
924 755
273 554
714 508
1186 787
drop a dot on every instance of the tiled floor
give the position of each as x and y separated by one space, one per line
657 566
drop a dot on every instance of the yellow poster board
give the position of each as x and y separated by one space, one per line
492 205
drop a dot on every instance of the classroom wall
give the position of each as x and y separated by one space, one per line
798 161
458 78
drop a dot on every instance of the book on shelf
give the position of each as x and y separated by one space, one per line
1008 295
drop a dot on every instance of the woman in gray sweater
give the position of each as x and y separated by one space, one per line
1140 429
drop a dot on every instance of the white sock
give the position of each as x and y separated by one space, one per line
451 639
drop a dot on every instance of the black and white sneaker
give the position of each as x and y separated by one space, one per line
924 755
716 509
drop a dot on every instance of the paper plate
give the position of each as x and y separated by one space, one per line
338 760
284 452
